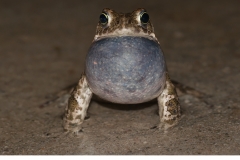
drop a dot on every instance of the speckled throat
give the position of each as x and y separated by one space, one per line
126 69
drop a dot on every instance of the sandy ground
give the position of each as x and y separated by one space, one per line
42 49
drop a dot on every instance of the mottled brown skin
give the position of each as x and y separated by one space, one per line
171 106
121 24
76 109
121 21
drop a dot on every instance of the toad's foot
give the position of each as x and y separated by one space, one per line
76 109
61 97
183 89
169 107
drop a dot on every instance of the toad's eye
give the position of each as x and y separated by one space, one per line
103 18
144 17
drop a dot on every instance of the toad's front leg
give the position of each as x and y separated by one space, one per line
169 107
76 109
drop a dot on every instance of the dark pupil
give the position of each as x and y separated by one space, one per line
144 18
103 18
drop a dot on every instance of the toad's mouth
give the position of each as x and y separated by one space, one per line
148 36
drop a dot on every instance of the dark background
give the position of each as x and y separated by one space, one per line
42 49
